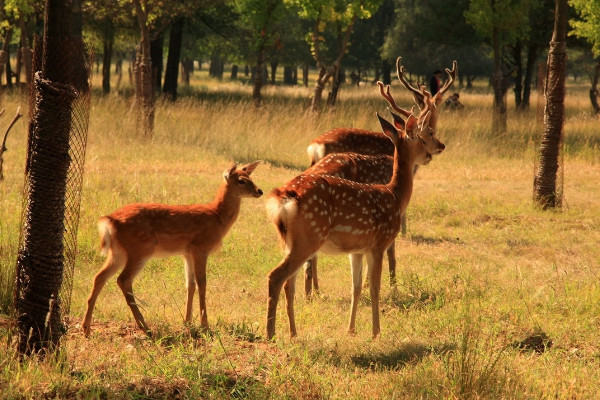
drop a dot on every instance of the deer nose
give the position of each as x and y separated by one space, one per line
260 192
441 147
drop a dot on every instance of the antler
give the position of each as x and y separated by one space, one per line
452 74
417 94
3 147
386 95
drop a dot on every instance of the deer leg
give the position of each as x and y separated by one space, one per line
190 284
200 274
125 282
277 277
114 261
356 266
308 277
290 289
315 280
391 254
375 260
403 224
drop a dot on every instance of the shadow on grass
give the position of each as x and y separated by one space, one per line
219 385
420 239
409 353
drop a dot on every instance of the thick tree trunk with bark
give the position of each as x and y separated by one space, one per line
545 187
40 261
172 70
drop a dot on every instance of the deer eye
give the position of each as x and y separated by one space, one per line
241 181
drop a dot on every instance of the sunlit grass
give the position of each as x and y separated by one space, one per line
480 269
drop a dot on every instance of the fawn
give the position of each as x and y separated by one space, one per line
135 233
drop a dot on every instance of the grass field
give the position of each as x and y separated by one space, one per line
481 269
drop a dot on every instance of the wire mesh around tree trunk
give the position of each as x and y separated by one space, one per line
48 241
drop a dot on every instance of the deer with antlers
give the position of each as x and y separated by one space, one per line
324 213
135 233
353 140
3 145
364 169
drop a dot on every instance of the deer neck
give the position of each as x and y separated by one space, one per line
226 206
402 176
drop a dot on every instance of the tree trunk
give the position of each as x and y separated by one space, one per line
499 112
386 72
172 70
518 60
529 68
216 67
186 66
305 70
274 65
335 87
594 89
40 262
315 104
258 78
288 75
4 54
146 94
546 193
108 39
156 55
234 72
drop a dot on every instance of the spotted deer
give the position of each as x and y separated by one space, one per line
351 140
136 233
325 213
365 169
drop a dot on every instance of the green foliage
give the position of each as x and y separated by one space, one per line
510 17
588 26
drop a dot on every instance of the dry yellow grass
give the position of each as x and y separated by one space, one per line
480 269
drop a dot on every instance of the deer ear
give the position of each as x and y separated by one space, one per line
411 125
388 129
398 121
228 172
249 168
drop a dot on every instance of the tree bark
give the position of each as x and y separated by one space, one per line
545 186
40 261
172 70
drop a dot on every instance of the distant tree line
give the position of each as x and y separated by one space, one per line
345 40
